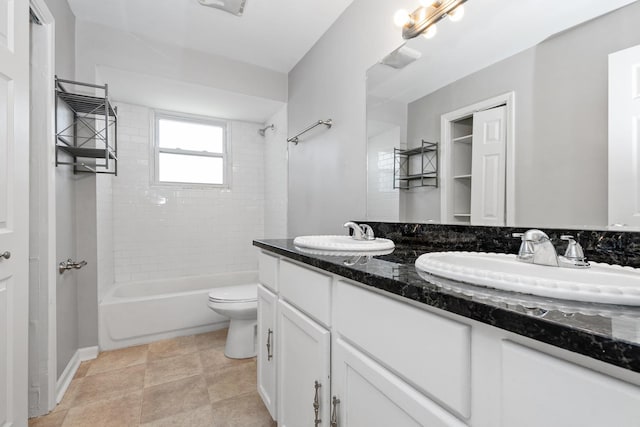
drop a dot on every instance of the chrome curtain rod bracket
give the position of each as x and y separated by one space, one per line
328 123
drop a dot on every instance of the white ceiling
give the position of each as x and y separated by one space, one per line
273 34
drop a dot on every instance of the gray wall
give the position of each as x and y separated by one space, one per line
561 123
327 169
65 38
67 286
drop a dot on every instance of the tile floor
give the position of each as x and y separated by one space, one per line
185 381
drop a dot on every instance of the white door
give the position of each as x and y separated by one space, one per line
370 396
14 199
303 369
488 167
624 137
267 348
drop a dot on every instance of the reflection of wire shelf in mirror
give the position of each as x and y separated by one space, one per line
86 128
416 167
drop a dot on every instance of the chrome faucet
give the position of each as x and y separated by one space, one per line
360 232
536 248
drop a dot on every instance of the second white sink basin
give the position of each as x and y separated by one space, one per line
343 244
602 283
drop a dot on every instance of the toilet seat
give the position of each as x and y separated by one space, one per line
235 294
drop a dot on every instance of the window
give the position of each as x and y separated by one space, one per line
190 150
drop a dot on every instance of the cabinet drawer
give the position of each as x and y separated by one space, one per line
426 350
538 389
268 270
306 289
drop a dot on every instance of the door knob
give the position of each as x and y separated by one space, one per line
5 255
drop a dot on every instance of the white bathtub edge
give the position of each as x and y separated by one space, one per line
107 343
81 354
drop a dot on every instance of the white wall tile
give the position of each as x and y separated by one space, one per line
163 231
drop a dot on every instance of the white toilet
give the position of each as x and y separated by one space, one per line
240 305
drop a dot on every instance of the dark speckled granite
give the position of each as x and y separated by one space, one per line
607 333
611 247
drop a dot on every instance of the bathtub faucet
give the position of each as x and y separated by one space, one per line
70 265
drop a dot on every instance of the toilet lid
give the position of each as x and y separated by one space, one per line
239 293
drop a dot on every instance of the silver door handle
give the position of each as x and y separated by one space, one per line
334 413
316 405
70 265
269 354
5 255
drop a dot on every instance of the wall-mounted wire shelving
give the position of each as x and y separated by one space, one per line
86 128
416 167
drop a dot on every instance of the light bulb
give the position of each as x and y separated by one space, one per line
427 3
401 18
456 14
430 32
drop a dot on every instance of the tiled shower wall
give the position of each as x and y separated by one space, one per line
166 231
275 176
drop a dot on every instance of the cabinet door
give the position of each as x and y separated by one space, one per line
370 396
540 390
303 359
488 167
267 302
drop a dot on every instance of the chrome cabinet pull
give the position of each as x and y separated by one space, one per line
334 412
316 404
5 255
269 354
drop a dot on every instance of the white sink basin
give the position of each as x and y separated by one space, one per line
343 244
602 283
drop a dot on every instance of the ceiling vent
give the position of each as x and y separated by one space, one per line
401 57
235 7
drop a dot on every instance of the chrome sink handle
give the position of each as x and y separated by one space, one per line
368 232
526 247
358 234
574 255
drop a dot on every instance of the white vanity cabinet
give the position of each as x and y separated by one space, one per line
380 360
267 303
303 369
370 395
538 389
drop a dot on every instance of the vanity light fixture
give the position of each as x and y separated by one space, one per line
423 20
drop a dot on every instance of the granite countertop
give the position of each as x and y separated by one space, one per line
609 333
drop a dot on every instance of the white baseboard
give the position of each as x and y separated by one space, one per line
82 354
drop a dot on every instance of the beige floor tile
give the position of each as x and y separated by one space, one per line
109 385
83 369
169 399
213 359
199 417
118 412
231 382
172 369
118 359
173 347
51 420
69 396
215 339
243 411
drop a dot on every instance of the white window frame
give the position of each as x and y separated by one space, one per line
184 117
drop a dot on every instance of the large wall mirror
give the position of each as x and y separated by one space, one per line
504 118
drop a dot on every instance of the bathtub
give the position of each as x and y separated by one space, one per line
141 312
